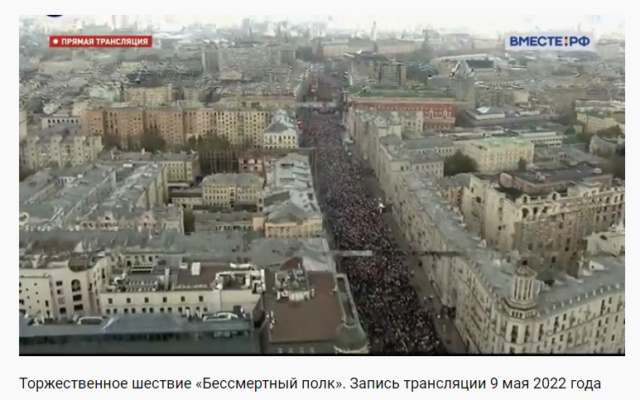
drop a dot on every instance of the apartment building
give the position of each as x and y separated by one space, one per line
39 187
282 133
297 289
154 219
62 117
192 287
375 69
231 334
59 146
122 274
237 125
603 146
169 272
206 221
23 125
540 138
451 188
188 198
118 120
544 212
168 122
180 168
564 155
60 283
288 203
75 193
497 154
437 108
151 94
230 190
595 121
394 158
139 186
176 125
252 60
366 128
502 306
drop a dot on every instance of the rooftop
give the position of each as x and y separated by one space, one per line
54 211
360 92
305 305
498 142
291 206
157 323
222 247
242 179
116 155
572 173
428 142
495 272
133 187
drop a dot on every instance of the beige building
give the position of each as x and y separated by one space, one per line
62 285
206 221
230 190
188 198
394 158
540 138
177 125
61 145
282 133
193 288
105 273
168 122
180 167
154 219
501 304
64 117
497 154
23 125
148 95
99 197
288 203
545 213
595 122
434 109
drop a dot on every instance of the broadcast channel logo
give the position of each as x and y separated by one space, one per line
550 42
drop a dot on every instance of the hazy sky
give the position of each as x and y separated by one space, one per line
475 24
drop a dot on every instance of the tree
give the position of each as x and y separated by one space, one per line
570 131
25 173
110 141
188 221
152 141
585 137
568 119
615 165
522 164
611 132
459 164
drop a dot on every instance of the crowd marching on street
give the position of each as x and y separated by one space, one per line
390 309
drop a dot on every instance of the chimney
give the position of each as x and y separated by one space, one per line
195 269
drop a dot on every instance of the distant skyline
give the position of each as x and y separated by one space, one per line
486 25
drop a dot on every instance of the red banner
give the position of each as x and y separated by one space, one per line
101 41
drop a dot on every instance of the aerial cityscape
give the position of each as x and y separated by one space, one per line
275 186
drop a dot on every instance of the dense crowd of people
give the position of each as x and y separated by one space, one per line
389 307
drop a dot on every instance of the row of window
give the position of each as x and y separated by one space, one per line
183 299
150 310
